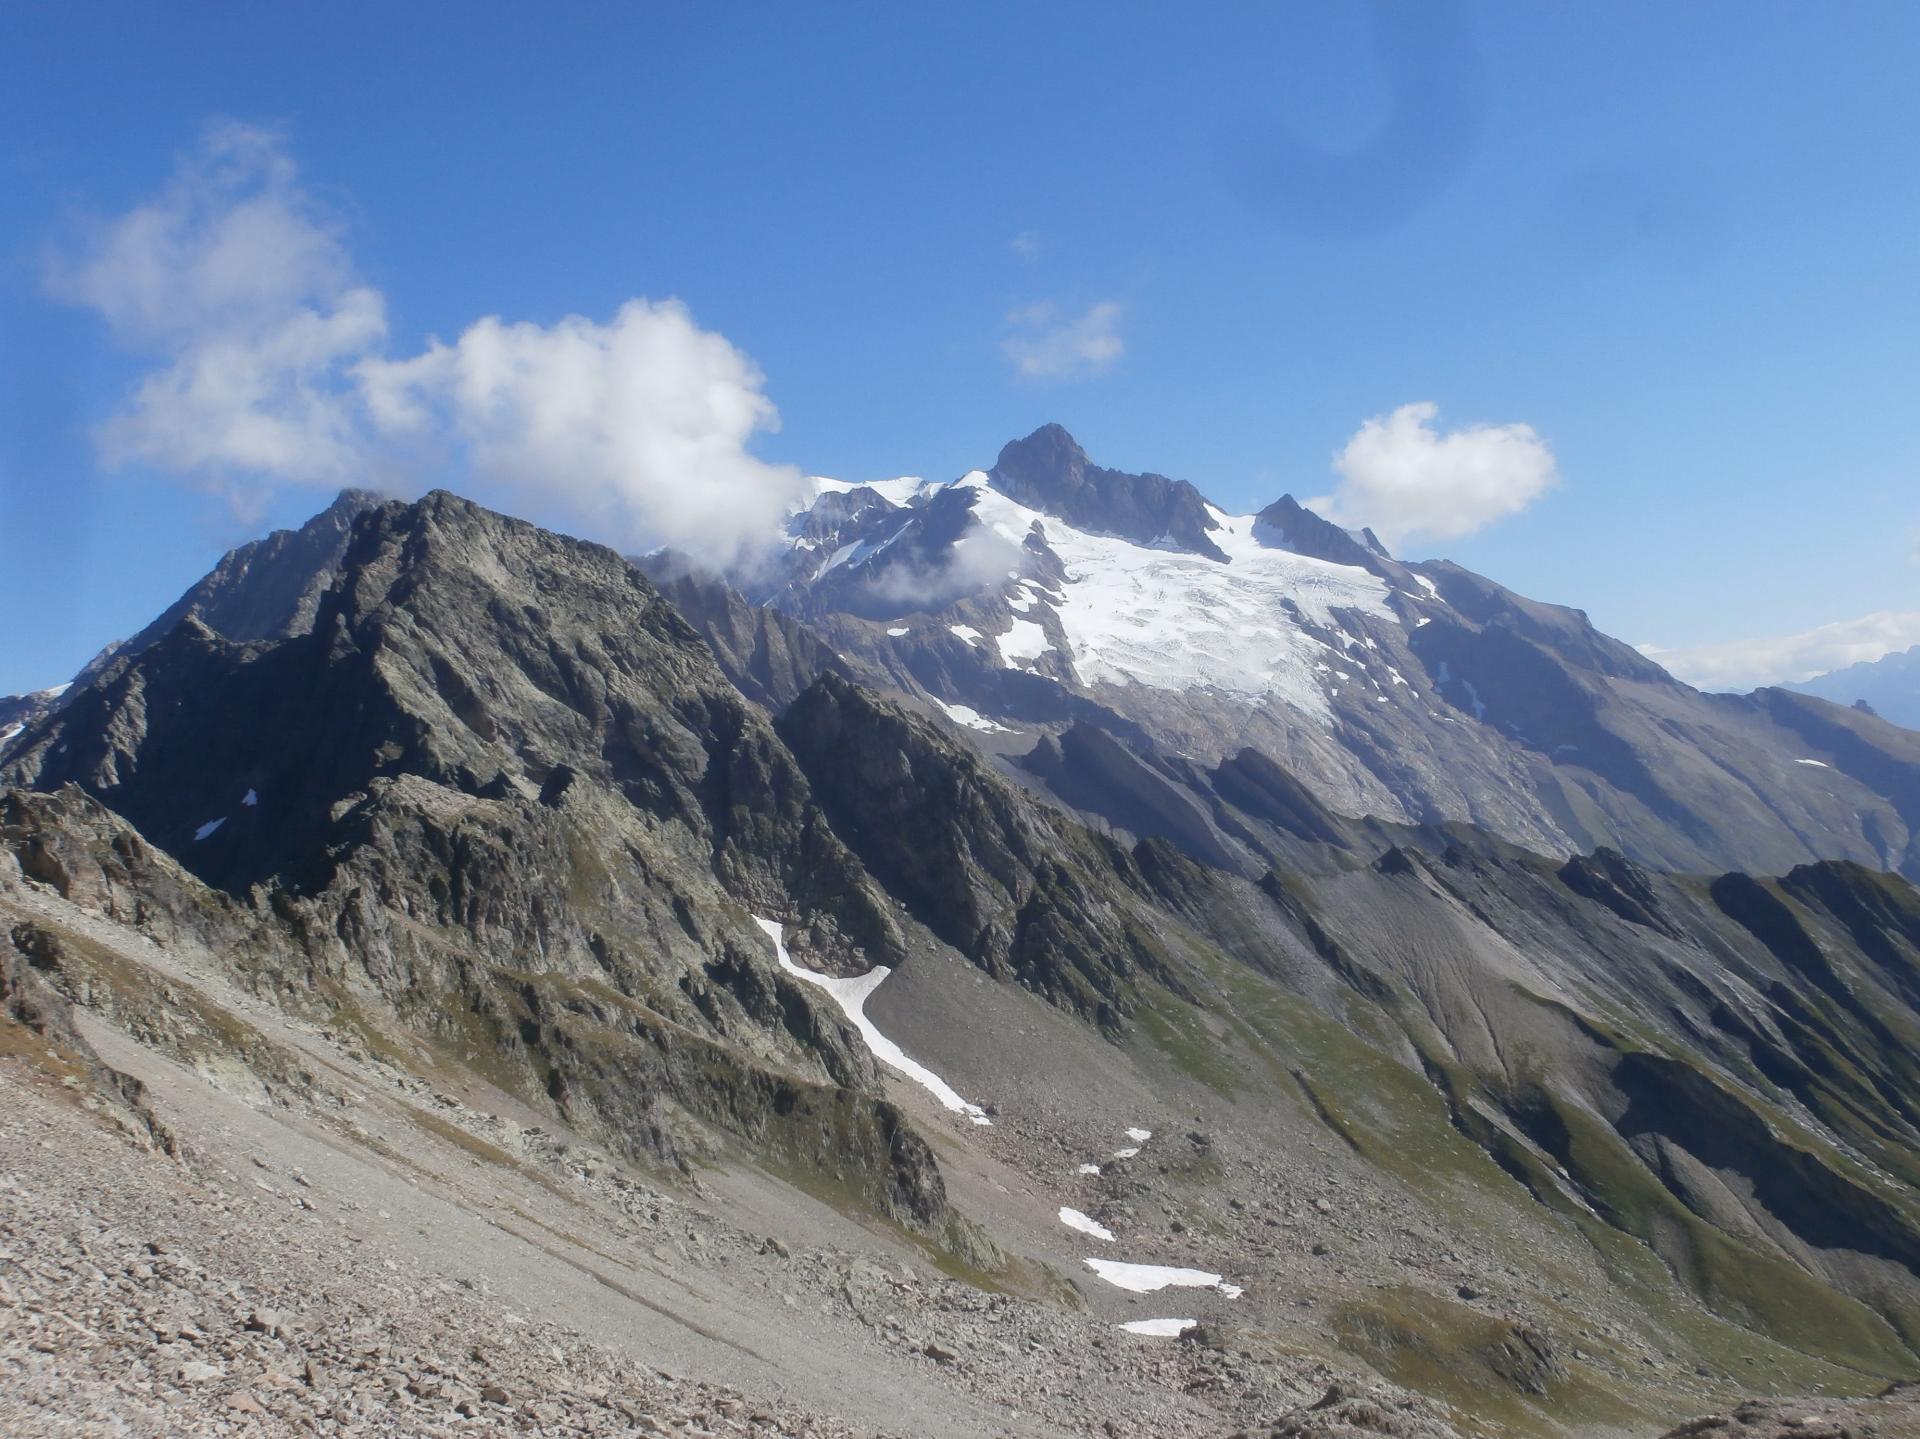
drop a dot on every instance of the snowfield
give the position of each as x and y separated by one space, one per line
1170 620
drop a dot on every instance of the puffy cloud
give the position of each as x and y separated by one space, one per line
1405 479
239 288
636 429
1741 665
271 367
1048 343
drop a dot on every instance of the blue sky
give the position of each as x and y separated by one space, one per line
1674 241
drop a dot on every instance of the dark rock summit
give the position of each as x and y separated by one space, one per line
1048 471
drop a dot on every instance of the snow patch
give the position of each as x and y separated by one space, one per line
1023 643
1447 676
1151 1278
250 799
1816 763
1160 1328
967 632
971 718
897 631
1074 1219
841 556
1139 1136
6 735
1088 1169
208 828
1473 698
1127 1153
851 996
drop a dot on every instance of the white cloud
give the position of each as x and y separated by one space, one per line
271 367
637 428
982 556
1027 244
1048 343
1406 479
239 288
1741 665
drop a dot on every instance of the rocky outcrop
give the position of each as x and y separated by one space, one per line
1022 893
1049 471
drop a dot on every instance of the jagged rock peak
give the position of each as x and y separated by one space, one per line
1049 471
1292 526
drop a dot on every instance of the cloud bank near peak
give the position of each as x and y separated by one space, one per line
1741 665
1406 479
270 366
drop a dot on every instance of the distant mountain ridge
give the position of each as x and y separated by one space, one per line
1049 592
1889 686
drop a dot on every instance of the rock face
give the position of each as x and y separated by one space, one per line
507 809
1049 471
1023 894
265 589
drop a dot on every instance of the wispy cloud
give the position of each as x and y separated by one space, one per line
1047 342
270 367
1027 244
1740 665
239 288
1407 479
